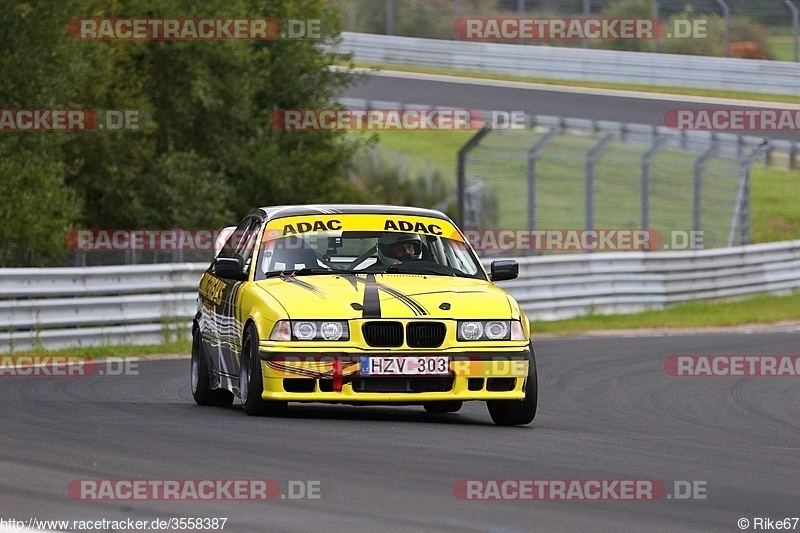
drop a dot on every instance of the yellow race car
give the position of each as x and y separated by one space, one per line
359 304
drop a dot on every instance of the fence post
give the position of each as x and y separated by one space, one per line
699 166
655 15
389 17
795 28
591 158
770 149
533 155
741 216
461 170
587 12
726 34
659 142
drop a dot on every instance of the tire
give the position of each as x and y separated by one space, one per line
201 381
449 406
251 381
518 412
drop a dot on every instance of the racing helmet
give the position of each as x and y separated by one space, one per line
389 240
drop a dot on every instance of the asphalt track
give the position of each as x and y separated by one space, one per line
607 410
543 100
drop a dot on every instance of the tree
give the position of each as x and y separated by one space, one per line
206 152
37 207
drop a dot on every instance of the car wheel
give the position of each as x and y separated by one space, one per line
450 406
518 412
201 381
251 382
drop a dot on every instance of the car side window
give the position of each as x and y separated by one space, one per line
247 245
234 239
241 243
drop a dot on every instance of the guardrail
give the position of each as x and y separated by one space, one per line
148 304
645 68
555 287
95 306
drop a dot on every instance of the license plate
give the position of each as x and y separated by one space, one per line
429 365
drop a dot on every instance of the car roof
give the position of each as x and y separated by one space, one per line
280 211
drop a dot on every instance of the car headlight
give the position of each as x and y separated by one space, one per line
304 331
310 330
490 330
470 330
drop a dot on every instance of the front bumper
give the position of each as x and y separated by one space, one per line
334 377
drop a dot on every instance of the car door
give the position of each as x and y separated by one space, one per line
220 297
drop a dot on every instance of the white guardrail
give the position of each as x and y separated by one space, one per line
95 306
149 304
776 77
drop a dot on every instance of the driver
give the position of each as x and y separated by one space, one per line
394 248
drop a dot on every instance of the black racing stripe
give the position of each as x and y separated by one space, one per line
308 287
407 300
353 280
372 298
412 304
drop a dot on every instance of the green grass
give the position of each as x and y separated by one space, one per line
99 352
758 310
779 31
438 146
687 91
783 48
775 210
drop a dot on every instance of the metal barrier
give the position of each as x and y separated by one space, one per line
556 287
148 304
91 306
579 64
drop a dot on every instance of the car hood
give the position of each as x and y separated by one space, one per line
389 296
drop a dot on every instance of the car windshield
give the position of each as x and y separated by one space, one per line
363 252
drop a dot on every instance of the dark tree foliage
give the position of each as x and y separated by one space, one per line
206 152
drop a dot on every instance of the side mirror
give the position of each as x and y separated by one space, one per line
504 269
228 268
